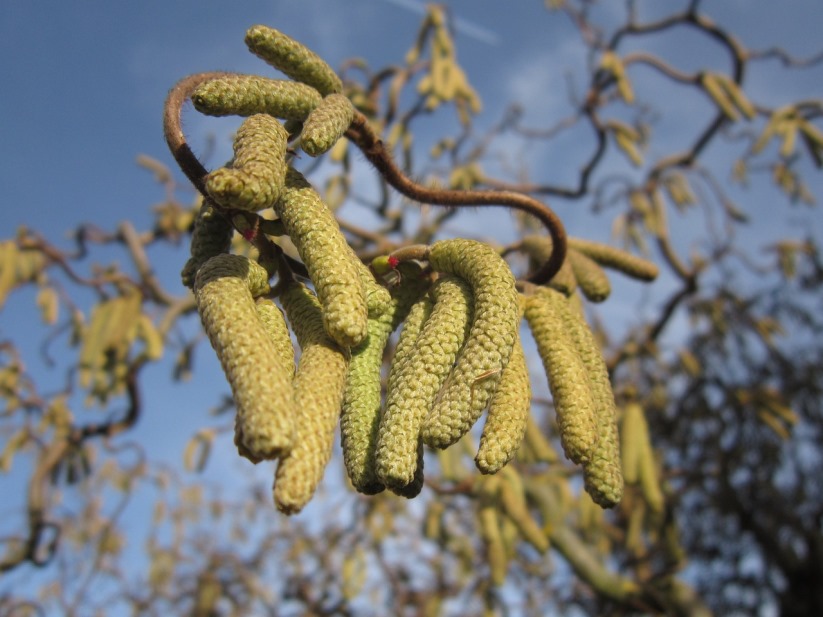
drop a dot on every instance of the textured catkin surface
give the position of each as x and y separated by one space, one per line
362 405
318 396
326 124
246 95
508 415
211 237
602 474
568 376
292 58
592 280
415 380
332 266
260 380
258 171
470 385
611 257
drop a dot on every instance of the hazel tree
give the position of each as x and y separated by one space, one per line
457 417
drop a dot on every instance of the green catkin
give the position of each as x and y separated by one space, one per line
488 348
567 374
591 279
326 124
602 475
513 500
246 95
292 58
332 266
633 432
611 257
488 514
259 378
258 171
211 236
275 325
318 396
360 418
416 378
508 415
539 250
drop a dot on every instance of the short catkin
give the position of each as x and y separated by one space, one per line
258 171
211 237
246 95
591 279
292 58
318 396
259 377
332 266
611 257
539 250
508 415
567 374
416 378
326 124
488 348
362 403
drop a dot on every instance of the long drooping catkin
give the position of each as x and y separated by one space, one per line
417 376
332 266
508 415
603 475
568 376
488 348
362 405
259 377
318 396
258 171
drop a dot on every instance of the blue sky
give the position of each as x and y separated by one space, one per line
84 84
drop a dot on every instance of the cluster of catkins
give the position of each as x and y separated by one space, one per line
458 353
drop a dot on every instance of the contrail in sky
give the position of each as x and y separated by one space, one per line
470 29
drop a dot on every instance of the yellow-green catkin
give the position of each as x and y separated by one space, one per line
211 237
259 378
246 95
318 396
602 474
326 124
488 514
416 378
591 279
332 266
539 250
292 58
275 325
568 376
362 403
611 257
508 415
488 348
258 171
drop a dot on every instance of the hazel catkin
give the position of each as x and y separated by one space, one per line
416 377
568 377
488 348
258 171
318 397
211 236
332 266
259 378
246 95
508 415
326 124
292 58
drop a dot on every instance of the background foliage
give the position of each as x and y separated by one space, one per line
717 361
